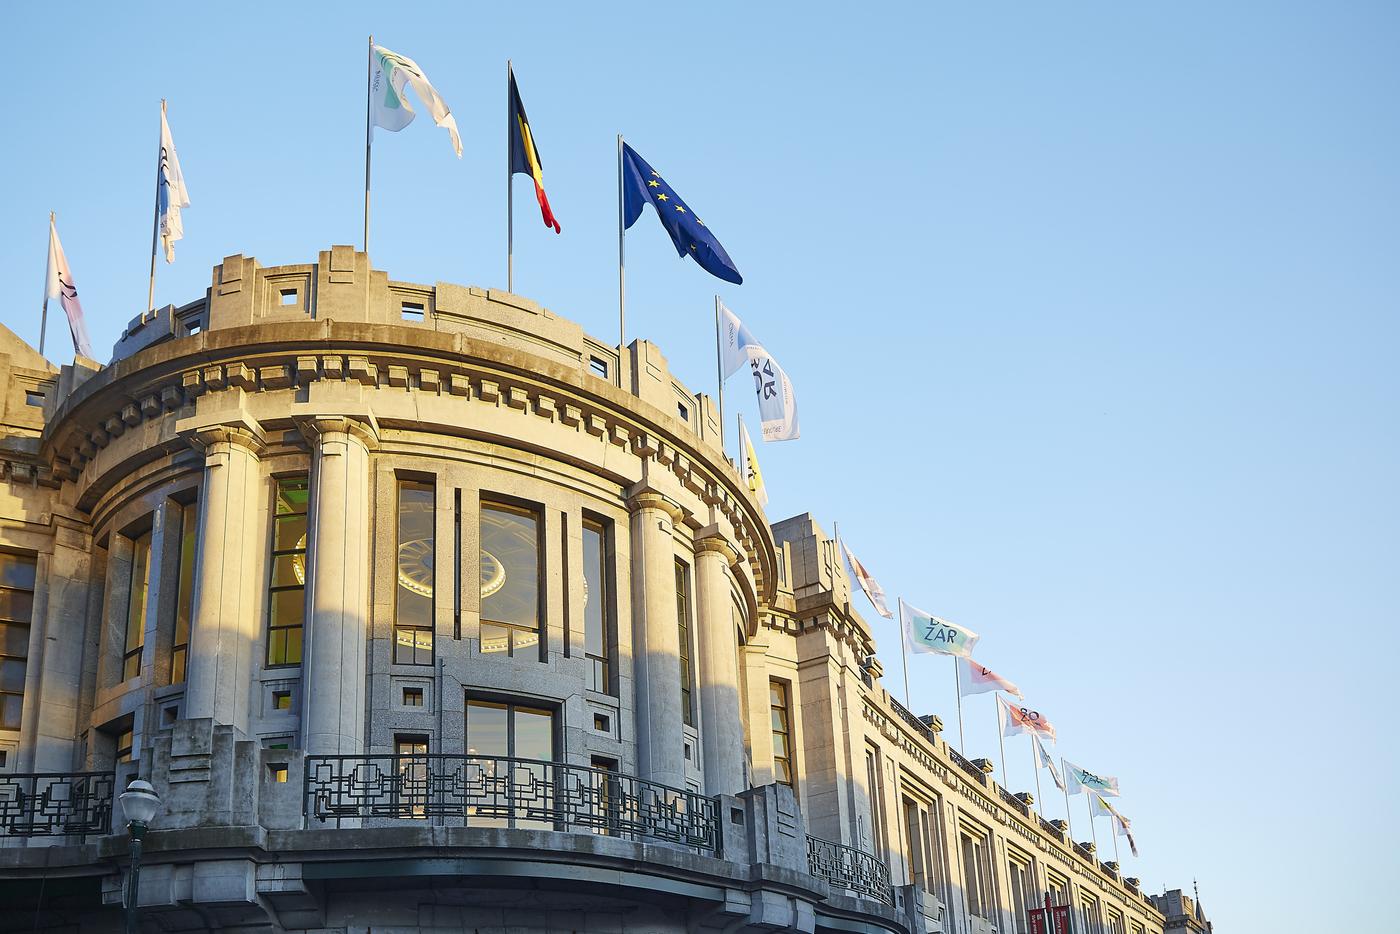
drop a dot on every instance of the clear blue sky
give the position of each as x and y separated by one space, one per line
1091 313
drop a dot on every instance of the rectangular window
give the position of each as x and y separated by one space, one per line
413 697
1058 886
125 742
598 636
607 793
496 733
1022 891
977 876
599 366
1089 910
184 594
1115 922
781 716
16 613
33 398
511 617
412 763
287 590
140 583
683 640
416 563
921 826
873 789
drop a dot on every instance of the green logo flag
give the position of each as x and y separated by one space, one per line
926 633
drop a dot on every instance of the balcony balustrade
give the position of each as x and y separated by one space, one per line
496 791
56 804
849 869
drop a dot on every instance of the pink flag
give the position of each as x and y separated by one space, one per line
979 679
873 591
1023 720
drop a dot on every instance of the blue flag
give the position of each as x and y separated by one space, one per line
642 185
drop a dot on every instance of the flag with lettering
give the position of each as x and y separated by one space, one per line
643 185
391 109
777 406
171 191
1043 758
873 591
1082 780
926 633
58 283
1020 719
977 678
1121 825
752 473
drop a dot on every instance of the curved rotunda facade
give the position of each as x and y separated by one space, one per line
421 609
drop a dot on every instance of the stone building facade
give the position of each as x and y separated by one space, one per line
421 609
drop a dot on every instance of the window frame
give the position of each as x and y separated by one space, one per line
134 632
184 592
783 710
684 628
602 669
274 629
979 879
31 561
536 513
428 485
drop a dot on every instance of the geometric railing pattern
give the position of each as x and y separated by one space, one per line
496 791
845 867
46 804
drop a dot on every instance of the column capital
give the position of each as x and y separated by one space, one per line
363 428
644 497
245 434
710 540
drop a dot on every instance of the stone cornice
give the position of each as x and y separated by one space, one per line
362 428
650 499
206 440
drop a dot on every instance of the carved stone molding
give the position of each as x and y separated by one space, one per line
363 428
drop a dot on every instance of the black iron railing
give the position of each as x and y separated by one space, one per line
496 791
1015 803
914 722
974 770
845 867
53 804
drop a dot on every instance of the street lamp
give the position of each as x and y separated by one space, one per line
139 803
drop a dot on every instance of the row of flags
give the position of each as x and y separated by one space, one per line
925 633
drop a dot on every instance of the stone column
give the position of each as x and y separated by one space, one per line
226 631
338 539
722 731
656 640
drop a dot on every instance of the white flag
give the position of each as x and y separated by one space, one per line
1084 780
1044 759
58 283
1016 719
979 679
777 406
392 110
752 474
171 190
873 591
924 632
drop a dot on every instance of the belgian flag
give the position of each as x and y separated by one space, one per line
524 157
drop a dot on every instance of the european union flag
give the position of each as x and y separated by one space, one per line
642 185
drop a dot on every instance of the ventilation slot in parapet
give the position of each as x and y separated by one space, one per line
411 311
599 366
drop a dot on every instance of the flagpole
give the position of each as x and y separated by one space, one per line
1093 833
962 740
719 373
510 189
904 655
1035 763
1113 826
155 222
1069 821
44 316
621 276
1001 741
369 135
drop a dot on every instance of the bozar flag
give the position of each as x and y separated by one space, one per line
1084 780
931 635
58 283
1044 759
1023 720
752 473
392 110
979 679
873 591
777 406
1121 825
171 190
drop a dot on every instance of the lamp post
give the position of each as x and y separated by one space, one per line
139 803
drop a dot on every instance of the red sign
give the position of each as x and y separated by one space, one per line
1053 920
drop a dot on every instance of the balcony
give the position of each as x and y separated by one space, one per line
496 791
56 804
845 868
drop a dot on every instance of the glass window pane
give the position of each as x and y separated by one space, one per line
416 560
185 600
12 675
534 733
289 571
288 607
11 706
293 495
595 595
17 571
17 604
14 640
487 729
494 638
289 533
294 646
510 584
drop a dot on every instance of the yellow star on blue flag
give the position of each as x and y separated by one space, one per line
643 185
